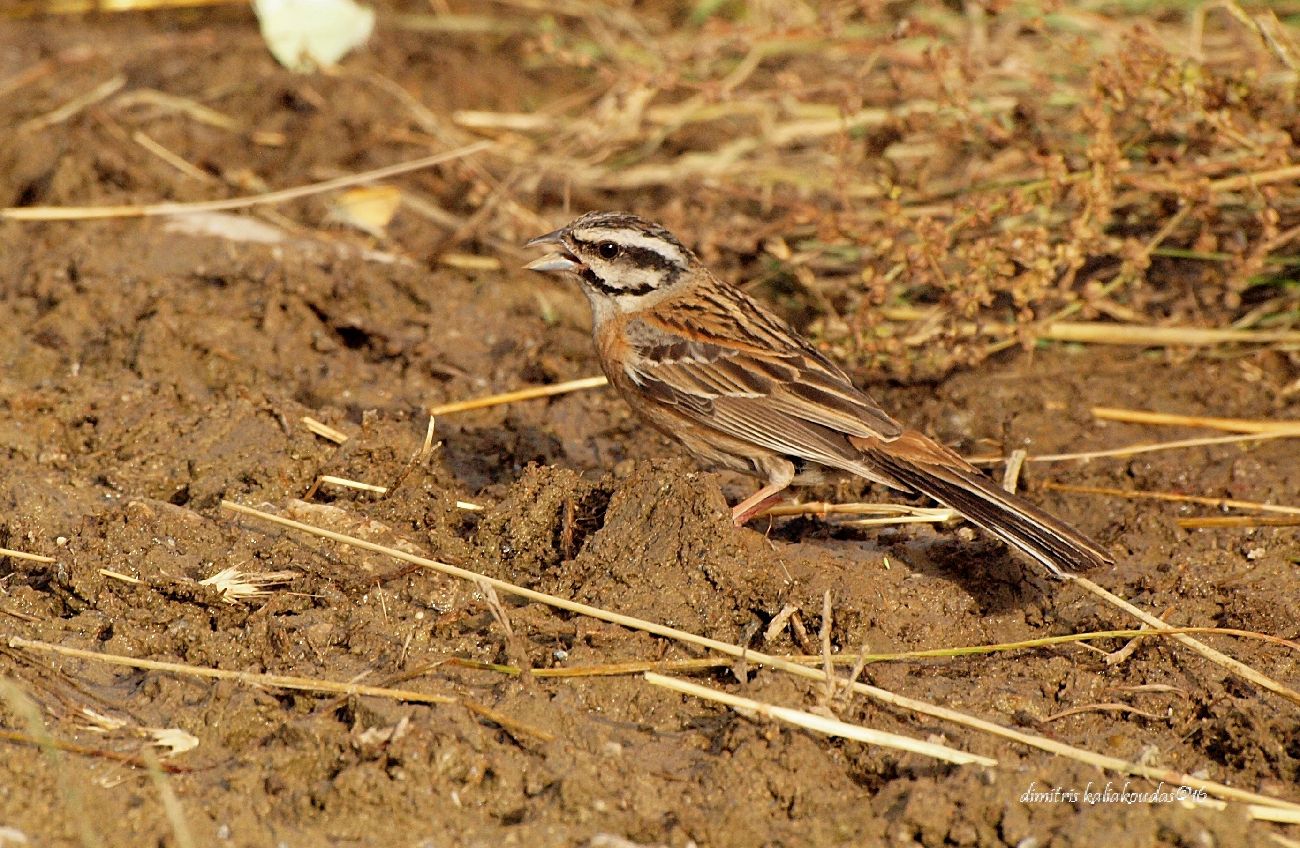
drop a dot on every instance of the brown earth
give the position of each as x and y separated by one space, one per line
146 374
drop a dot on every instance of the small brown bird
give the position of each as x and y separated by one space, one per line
709 366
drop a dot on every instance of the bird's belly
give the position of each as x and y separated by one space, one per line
714 449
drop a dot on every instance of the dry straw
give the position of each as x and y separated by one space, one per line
821 724
1032 740
81 213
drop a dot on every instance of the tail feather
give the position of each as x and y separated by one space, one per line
1028 529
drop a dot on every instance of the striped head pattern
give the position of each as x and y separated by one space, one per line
617 256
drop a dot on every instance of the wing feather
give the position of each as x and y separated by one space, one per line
732 366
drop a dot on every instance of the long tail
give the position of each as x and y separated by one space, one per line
926 467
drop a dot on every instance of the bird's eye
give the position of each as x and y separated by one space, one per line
607 249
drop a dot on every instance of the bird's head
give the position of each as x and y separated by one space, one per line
616 256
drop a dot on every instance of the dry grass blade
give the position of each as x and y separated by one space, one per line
1223 521
324 430
1234 425
1122 655
427 446
470 262
172 808
521 394
1142 447
1101 332
1219 658
512 725
938 516
331 480
85 751
183 105
175 161
1152 336
1011 474
883 695
893 513
303 684
7 552
1127 709
99 93
78 213
1138 494
27 712
79 7
117 575
1288 173
704 664
821 724
1270 814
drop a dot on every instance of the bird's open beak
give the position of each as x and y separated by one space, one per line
557 262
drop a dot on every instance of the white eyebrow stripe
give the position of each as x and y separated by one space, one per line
632 238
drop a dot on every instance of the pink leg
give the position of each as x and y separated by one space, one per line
757 502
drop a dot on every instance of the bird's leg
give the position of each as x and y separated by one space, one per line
757 502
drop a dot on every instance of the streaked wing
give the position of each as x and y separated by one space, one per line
724 361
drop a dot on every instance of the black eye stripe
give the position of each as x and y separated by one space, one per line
642 257
593 279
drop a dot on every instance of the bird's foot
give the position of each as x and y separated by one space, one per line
756 503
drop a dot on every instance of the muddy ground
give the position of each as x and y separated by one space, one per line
146 374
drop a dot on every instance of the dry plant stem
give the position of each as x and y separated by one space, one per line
1144 335
779 621
101 92
885 696
117 575
1104 708
821 724
824 508
1122 655
512 726
521 394
1235 666
171 804
83 751
828 668
1142 447
330 479
704 664
1011 474
26 711
427 446
1137 494
77 7
324 430
304 684
79 213
1103 332
1259 178
1220 521
6 552
142 139
939 516
1233 425
184 105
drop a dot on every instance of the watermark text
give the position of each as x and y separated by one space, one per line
1110 794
